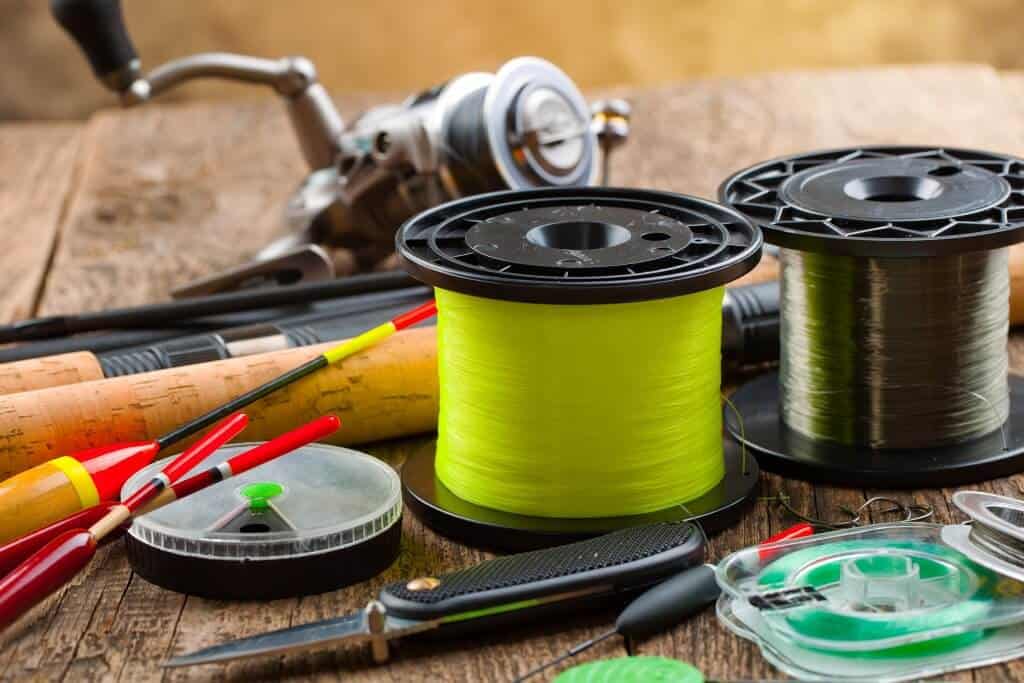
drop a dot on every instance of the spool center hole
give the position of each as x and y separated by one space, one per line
893 188
578 235
255 528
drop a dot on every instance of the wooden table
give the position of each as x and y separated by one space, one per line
120 209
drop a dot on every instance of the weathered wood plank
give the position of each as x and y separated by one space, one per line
171 193
37 168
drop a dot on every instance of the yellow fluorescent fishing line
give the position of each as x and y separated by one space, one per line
580 410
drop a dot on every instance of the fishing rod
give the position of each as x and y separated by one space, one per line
241 324
749 337
160 315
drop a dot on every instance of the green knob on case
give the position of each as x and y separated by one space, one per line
260 493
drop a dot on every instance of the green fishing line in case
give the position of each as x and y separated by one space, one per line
881 601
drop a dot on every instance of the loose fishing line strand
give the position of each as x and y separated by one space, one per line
894 353
580 411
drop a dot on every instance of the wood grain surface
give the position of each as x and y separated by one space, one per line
40 164
165 194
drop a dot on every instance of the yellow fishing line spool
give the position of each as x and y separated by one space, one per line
579 356
563 396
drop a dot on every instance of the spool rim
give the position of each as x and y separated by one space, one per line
963 200
477 526
711 246
785 451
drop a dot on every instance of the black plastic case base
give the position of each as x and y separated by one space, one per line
223 579
784 451
447 514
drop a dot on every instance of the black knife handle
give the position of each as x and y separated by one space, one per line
619 561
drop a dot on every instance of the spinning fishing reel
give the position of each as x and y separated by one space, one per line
525 126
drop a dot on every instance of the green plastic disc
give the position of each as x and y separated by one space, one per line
632 670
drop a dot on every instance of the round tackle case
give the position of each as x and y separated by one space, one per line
315 520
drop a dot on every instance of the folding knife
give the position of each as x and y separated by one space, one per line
514 588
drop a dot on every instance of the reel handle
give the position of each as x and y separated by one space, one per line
99 29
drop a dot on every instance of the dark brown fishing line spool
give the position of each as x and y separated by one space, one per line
894 312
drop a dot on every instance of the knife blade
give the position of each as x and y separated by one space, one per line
509 589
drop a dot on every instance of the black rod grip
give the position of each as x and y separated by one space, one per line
98 28
668 604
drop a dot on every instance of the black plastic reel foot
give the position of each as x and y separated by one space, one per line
785 451
447 514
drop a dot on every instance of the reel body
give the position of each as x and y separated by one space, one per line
525 126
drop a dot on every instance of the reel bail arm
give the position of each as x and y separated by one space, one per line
98 28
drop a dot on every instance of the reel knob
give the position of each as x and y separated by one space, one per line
553 130
611 126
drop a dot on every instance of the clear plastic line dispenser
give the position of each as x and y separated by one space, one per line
886 602
883 590
314 520
998 645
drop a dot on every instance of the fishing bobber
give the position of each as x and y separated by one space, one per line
894 316
579 340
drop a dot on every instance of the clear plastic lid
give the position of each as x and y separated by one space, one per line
885 590
807 664
317 499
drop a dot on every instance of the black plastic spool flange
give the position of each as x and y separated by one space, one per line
574 246
887 202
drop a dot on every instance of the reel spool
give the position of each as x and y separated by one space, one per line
995 537
566 321
315 520
882 247
525 126
873 601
